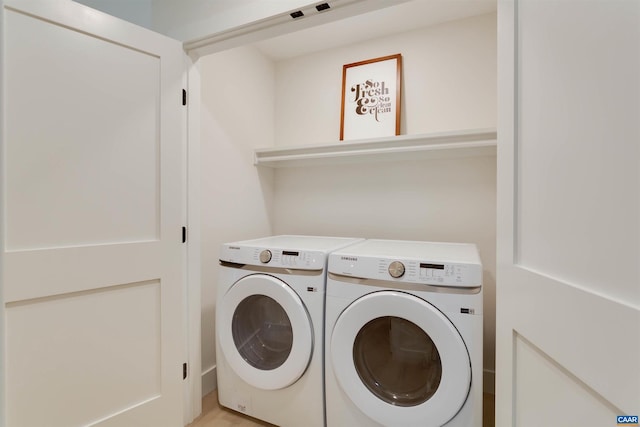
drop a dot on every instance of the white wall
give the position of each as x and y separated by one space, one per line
237 115
449 83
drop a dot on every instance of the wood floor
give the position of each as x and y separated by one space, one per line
215 416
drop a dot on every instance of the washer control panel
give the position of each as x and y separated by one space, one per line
445 264
426 272
274 257
288 259
445 274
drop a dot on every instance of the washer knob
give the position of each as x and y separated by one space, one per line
265 256
396 269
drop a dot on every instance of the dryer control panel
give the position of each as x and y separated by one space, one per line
429 263
426 272
273 257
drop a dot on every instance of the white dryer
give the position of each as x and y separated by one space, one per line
269 327
404 335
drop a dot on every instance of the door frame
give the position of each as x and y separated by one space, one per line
193 327
2 234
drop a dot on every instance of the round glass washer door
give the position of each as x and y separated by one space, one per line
266 333
398 357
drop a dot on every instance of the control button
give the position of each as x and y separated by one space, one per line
396 269
265 256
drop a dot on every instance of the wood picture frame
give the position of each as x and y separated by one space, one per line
371 92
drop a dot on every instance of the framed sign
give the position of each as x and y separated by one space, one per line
371 98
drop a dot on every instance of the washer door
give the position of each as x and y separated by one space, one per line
400 360
265 332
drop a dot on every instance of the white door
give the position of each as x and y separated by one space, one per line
92 254
568 297
265 332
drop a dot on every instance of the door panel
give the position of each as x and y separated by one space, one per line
57 194
84 365
92 255
577 145
568 299
536 374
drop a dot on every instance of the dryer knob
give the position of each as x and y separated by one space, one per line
396 269
265 256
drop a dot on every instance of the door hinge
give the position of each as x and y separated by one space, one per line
184 234
184 97
184 371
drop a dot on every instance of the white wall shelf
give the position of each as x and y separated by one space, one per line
467 143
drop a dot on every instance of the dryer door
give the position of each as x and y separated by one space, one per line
400 360
266 333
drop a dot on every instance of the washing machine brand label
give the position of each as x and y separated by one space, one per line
234 247
349 258
627 420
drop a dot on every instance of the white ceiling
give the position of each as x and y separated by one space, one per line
391 20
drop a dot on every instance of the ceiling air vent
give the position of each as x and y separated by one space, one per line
323 6
297 14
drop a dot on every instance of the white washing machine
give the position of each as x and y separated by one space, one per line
270 327
404 335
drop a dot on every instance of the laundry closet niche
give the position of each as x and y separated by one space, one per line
253 99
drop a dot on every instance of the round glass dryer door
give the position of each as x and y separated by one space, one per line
407 372
262 332
397 357
266 335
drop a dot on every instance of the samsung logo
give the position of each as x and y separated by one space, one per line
627 420
349 258
235 247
